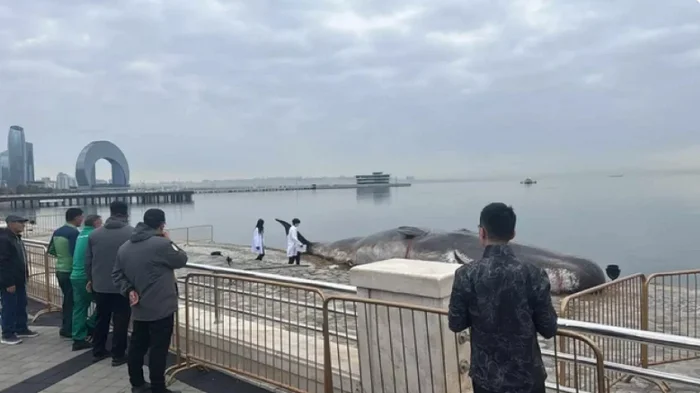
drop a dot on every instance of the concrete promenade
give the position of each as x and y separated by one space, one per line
46 364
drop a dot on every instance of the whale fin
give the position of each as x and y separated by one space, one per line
301 237
285 224
411 232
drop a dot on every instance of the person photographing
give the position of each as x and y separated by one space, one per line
144 272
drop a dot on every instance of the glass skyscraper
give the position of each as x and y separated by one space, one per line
17 149
4 168
29 157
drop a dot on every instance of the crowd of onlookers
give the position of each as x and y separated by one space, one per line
127 272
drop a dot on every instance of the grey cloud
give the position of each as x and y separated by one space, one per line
227 89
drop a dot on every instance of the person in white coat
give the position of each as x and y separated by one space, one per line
258 240
294 246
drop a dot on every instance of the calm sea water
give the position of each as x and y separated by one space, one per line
643 223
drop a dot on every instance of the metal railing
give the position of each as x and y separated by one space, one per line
193 234
220 303
266 330
615 303
650 338
396 347
673 308
663 302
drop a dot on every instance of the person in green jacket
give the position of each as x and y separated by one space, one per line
62 246
78 278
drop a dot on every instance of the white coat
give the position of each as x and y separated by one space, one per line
294 246
258 246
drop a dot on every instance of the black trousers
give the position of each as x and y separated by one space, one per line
111 307
296 259
538 388
67 306
152 337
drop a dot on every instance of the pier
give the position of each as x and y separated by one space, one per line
304 187
97 198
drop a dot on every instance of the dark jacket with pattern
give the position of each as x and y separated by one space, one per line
505 302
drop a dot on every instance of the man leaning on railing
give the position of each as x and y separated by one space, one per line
506 303
145 273
13 282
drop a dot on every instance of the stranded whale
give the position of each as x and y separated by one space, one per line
567 274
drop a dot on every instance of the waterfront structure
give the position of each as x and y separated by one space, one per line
63 181
95 151
97 197
376 178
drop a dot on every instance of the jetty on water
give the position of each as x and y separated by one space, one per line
299 187
97 197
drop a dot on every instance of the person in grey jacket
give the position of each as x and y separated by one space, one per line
145 273
100 255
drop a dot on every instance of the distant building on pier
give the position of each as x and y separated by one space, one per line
376 178
64 181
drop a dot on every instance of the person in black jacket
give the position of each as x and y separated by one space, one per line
505 302
13 282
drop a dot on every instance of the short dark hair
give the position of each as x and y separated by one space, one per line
296 221
119 209
91 220
154 218
498 220
72 213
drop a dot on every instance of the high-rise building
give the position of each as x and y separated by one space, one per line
29 157
17 149
63 181
4 168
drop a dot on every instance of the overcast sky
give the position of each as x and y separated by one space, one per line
193 89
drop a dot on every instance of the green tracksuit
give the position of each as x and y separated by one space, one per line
81 297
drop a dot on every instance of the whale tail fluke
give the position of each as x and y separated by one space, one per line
301 237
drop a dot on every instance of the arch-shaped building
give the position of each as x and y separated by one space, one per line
95 151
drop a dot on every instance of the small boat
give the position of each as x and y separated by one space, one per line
616 175
528 181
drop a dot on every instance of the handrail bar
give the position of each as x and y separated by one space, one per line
624 368
644 336
248 273
275 277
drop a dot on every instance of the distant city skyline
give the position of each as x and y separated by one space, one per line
17 162
17 166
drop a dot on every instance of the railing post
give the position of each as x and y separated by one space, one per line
187 236
47 280
216 299
644 303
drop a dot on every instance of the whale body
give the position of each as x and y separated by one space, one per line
567 274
